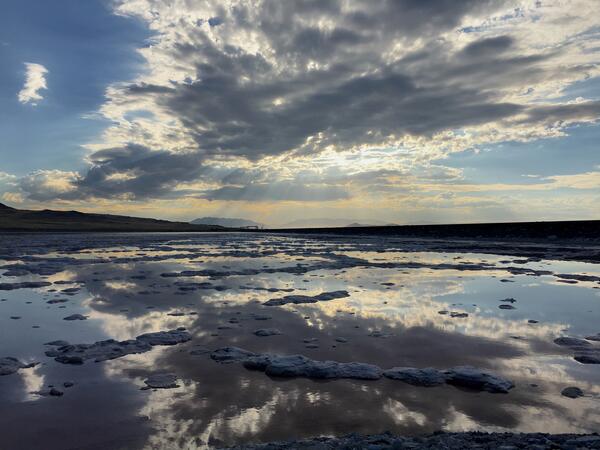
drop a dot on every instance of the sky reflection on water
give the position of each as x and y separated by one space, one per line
124 292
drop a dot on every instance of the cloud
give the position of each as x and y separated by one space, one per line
571 112
304 76
7 177
488 46
280 191
587 180
35 81
43 185
235 120
13 197
131 172
329 100
278 78
137 171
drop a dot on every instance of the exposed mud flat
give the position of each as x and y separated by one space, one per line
217 340
458 441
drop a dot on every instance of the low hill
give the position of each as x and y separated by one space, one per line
12 219
357 225
227 222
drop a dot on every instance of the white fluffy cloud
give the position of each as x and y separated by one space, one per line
43 185
35 81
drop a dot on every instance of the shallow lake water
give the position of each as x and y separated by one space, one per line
397 312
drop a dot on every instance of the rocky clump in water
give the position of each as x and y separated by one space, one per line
112 349
577 277
473 378
583 350
10 365
297 365
161 381
462 376
572 392
299 299
453 314
23 285
75 317
50 391
301 366
57 300
264 332
417 377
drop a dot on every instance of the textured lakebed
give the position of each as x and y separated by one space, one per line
189 341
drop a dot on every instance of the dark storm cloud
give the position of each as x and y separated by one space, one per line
225 117
152 172
559 113
489 46
133 170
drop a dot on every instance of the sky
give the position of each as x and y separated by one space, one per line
377 111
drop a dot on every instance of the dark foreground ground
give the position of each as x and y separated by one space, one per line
568 241
505 441
576 229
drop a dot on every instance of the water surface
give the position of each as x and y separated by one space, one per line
130 284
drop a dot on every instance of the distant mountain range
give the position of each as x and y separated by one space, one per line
227 222
12 219
380 224
323 222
